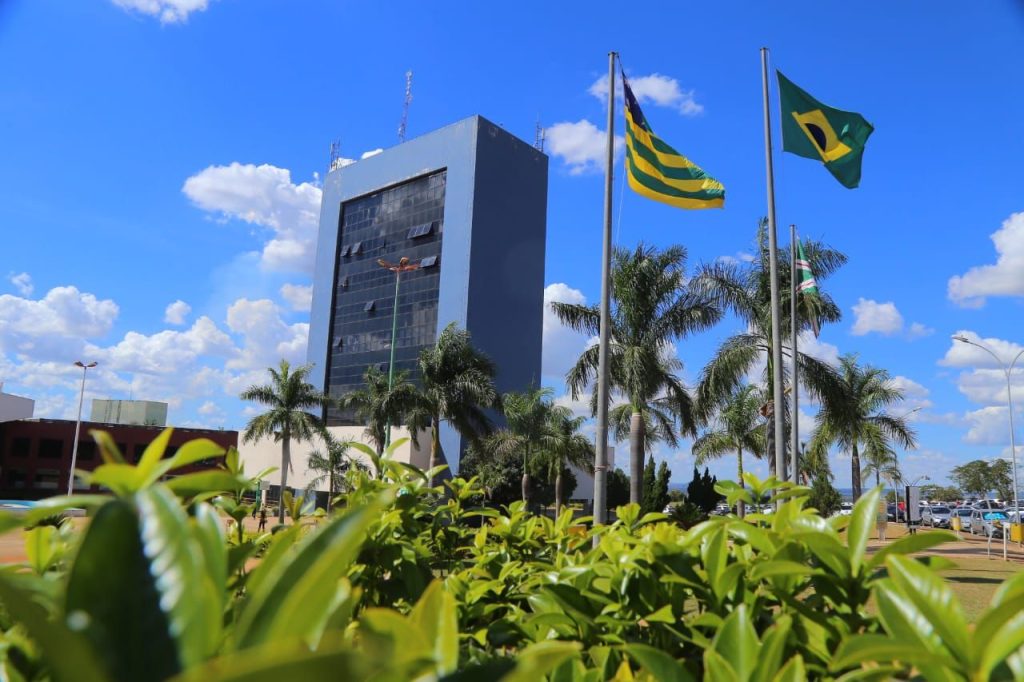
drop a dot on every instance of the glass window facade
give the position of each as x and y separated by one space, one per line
360 334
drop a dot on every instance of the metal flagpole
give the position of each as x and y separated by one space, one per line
601 456
773 257
794 421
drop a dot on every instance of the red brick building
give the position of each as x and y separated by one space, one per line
35 454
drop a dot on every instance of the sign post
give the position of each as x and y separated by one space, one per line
913 499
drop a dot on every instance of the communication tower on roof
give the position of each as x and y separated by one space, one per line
335 159
538 136
405 106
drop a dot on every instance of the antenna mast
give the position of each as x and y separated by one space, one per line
538 136
405 106
335 159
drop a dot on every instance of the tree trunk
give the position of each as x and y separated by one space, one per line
740 506
435 448
855 471
558 492
636 457
286 461
526 477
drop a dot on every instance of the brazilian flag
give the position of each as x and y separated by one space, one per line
817 131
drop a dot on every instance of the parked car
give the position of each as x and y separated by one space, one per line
988 522
987 504
936 516
845 509
964 514
898 515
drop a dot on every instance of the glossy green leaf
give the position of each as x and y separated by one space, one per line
209 533
187 593
113 599
109 451
659 664
793 671
70 655
773 648
779 567
121 479
42 548
287 660
862 522
1000 634
538 659
737 643
867 648
436 616
218 480
718 669
151 457
935 600
194 451
295 600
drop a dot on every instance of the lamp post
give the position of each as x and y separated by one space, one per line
78 424
398 268
1007 370
896 457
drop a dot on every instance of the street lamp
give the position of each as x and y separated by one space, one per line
78 424
398 268
896 489
1007 369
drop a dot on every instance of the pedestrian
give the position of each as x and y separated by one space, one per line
255 510
263 520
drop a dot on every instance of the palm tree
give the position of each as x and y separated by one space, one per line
745 290
331 464
562 446
652 306
457 386
738 427
856 417
379 407
527 418
289 396
880 462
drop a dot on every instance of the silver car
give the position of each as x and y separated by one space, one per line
989 522
936 516
964 514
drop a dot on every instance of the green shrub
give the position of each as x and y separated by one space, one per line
400 585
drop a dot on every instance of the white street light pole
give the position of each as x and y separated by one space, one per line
896 487
1007 370
78 424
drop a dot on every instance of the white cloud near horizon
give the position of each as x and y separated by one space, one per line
561 345
298 296
581 145
175 313
168 11
1003 278
22 283
662 91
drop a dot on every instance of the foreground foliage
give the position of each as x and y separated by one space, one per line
407 583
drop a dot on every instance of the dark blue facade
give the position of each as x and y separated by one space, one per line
481 194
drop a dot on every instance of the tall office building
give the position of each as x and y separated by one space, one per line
468 204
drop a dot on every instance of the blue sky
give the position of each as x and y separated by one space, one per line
165 151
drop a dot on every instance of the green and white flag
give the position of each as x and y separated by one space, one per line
807 286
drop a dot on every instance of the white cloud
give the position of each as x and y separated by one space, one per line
818 349
581 145
266 196
915 398
962 354
918 331
166 352
299 297
23 283
740 257
872 316
267 338
176 312
988 426
169 11
64 311
1004 278
656 88
561 344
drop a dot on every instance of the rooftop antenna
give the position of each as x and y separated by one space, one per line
335 158
538 136
405 106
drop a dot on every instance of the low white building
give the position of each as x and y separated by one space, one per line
14 407
267 453
585 482
130 412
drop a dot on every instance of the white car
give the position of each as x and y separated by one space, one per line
936 516
964 514
845 509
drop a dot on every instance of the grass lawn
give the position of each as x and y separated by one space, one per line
975 580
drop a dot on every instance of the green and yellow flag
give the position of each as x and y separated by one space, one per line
817 131
659 172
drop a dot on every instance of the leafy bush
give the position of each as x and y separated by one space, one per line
824 497
398 585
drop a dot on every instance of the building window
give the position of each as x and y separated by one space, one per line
345 250
86 450
418 231
428 262
139 449
344 281
47 479
370 306
51 448
20 447
340 342
356 248
16 478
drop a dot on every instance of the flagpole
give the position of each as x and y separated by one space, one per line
794 421
601 456
773 263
